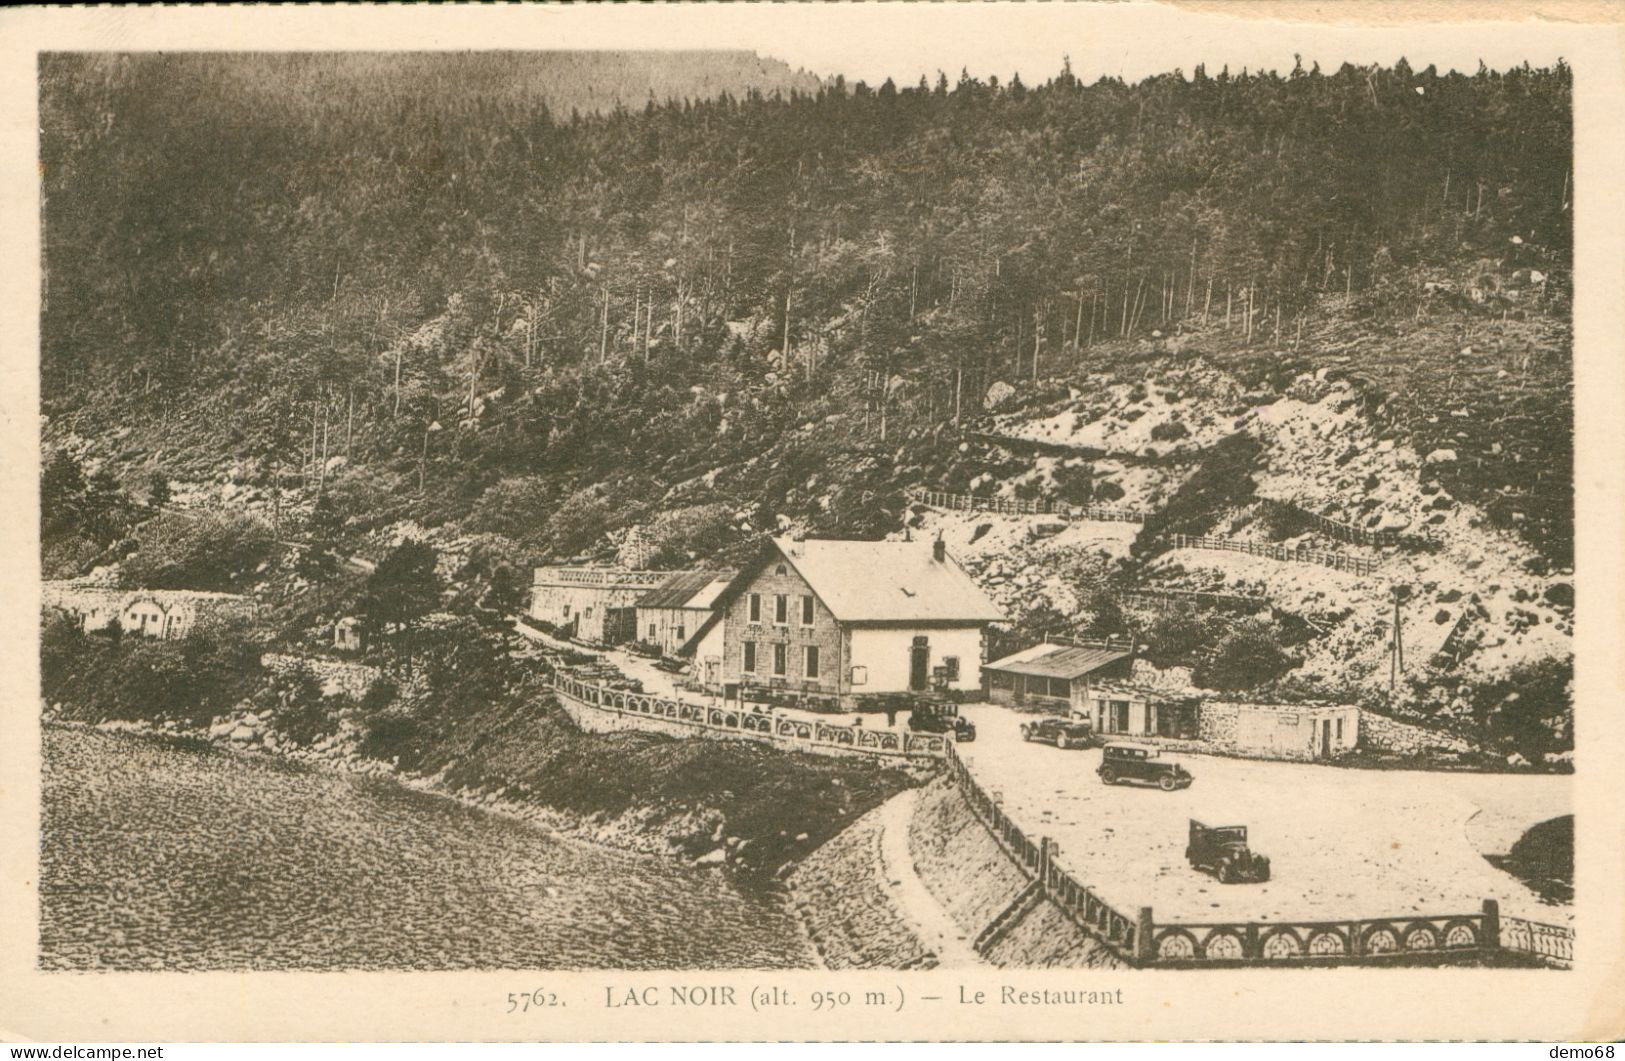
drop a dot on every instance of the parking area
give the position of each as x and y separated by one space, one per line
1342 842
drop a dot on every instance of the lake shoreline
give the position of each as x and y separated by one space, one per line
555 824
211 842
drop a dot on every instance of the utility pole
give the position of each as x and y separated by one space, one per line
1396 663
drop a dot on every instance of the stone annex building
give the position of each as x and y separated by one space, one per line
846 619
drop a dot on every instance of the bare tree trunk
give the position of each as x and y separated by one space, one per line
327 401
1077 327
349 425
603 329
959 380
1207 303
785 347
1190 283
397 410
1038 339
1227 299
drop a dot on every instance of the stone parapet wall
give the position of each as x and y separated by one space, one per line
600 709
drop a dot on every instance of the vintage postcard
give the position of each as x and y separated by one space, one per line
840 522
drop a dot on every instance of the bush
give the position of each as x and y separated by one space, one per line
379 695
1248 657
390 736
1531 710
105 675
1169 431
1177 638
217 551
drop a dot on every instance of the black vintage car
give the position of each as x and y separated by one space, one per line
940 716
1222 851
1061 732
1140 762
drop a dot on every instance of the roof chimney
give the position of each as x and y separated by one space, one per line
939 550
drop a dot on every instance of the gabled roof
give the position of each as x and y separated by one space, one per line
687 589
1057 661
883 582
868 582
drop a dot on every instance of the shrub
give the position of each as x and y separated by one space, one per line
190 550
1177 638
389 736
379 695
1247 657
1169 431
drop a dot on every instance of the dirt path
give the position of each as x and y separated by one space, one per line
909 894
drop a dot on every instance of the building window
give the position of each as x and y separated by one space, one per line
812 661
1340 728
651 631
860 675
755 607
750 657
781 570
781 656
950 668
680 633
781 609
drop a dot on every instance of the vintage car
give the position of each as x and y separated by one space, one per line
1140 762
1061 732
1222 851
940 716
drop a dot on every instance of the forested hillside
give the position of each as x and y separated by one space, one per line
753 296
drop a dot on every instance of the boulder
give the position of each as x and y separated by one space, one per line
243 734
1441 456
997 394
715 857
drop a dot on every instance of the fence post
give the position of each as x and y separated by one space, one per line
1144 951
1492 924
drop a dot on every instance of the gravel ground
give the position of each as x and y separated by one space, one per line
1342 842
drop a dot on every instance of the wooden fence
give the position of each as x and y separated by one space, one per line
1346 532
1336 561
1241 602
1018 507
1179 454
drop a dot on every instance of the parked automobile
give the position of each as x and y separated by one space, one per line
1061 732
940 716
1140 762
1222 851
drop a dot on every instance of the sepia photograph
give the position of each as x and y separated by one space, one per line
718 508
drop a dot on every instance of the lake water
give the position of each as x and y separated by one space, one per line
157 855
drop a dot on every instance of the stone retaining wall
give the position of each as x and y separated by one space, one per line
975 880
337 676
840 893
1383 734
